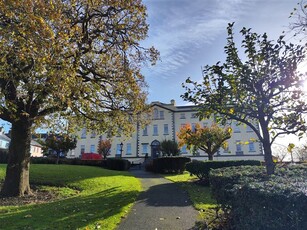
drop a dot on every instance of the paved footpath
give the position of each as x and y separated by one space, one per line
163 205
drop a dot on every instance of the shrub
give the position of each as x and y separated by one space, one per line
169 148
201 169
68 161
168 164
257 201
118 164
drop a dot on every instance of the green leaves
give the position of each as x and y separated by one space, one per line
261 86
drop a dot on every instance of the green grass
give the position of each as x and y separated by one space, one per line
96 198
199 195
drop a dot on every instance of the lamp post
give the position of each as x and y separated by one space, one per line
121 149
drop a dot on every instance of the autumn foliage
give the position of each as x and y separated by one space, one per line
104 147
208 139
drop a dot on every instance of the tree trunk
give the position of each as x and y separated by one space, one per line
57 157
210 157
269 164
16 181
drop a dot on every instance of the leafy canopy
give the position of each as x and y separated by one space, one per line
169 148
73 57
208 139
104 147
264 87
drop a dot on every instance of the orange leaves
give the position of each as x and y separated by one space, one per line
208 139
104 147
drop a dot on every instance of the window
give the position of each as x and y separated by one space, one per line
83 133
251 147
193 115
129 152
165 129
156 114
193 127
184 149
92 149
162 115
145 131
144 149
226 150
249 129
155 130
236 128
238 146
82 149
93 134
182 125
182 115
73 152
118 152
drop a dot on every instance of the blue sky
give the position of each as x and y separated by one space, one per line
192 33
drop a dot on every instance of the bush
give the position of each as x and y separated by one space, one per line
201 169
169 148
168 165
254 200
68 161
118 164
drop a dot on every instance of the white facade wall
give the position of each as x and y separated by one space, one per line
167 120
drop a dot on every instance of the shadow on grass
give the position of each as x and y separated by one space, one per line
77 212
62 175
168 194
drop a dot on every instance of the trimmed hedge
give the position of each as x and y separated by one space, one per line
168 165
255 201
118 164
201 169
68 161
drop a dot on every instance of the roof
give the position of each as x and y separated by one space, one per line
35 143
4 137
172 107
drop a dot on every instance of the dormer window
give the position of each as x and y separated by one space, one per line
162 115
156 114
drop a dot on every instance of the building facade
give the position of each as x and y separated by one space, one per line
166 121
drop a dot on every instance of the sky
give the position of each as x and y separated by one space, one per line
192 33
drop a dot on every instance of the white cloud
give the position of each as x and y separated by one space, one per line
179 28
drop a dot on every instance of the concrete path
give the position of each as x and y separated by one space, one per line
162 205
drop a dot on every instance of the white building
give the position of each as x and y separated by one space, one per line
167 119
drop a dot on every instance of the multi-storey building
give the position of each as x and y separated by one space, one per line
166 121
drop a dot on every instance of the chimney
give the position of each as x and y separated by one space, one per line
173 102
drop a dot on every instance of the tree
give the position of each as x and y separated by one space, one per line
301 152
263 87
208 139
104 147
60 143
69 63
299 16
169 148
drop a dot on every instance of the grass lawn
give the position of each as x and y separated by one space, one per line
199 195
97 199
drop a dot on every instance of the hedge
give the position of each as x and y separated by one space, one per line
118 164
201 169
168 165
257 201
68 161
